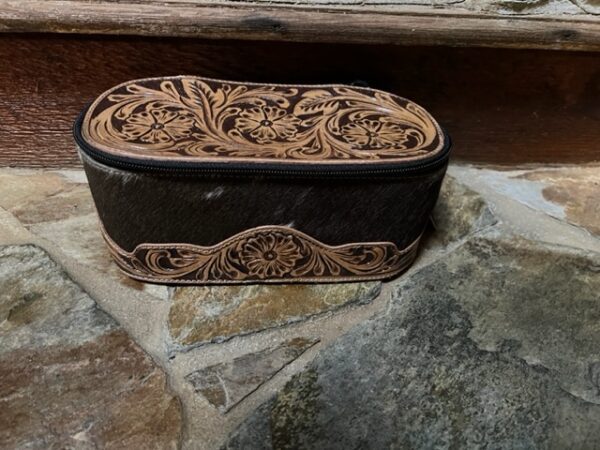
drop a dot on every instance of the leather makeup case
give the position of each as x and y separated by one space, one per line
203 181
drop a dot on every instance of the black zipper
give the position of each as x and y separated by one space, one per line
265 169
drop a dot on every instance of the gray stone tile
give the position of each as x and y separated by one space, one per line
569 194
225 385
494 345
70 376
459 213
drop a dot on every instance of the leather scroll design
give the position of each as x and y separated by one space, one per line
190 117
263 254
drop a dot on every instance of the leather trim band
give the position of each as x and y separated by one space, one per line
266 254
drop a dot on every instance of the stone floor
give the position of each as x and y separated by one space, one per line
492 339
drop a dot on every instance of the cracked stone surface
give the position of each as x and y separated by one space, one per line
495 344
576 190
565 193
70 376
204 314
458 213
225 385
44 197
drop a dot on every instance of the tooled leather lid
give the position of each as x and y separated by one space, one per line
193 119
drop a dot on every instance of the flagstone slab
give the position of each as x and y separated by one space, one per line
458 213
494 345
70 376
35 196
205 314
576 190
225 385
568 194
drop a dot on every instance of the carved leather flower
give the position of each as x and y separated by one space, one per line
267 123
374 133
270 255
158 126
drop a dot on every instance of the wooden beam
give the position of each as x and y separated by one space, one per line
384 23
500 106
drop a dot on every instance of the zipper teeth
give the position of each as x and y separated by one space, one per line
300 173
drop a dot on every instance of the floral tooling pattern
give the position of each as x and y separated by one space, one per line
267 254
193 117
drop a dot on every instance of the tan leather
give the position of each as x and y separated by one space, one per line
187 118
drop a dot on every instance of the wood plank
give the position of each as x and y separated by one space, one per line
556 24
500 106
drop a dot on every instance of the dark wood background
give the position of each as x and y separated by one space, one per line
500 106
541 24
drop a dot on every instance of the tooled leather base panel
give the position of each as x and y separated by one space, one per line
266 254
